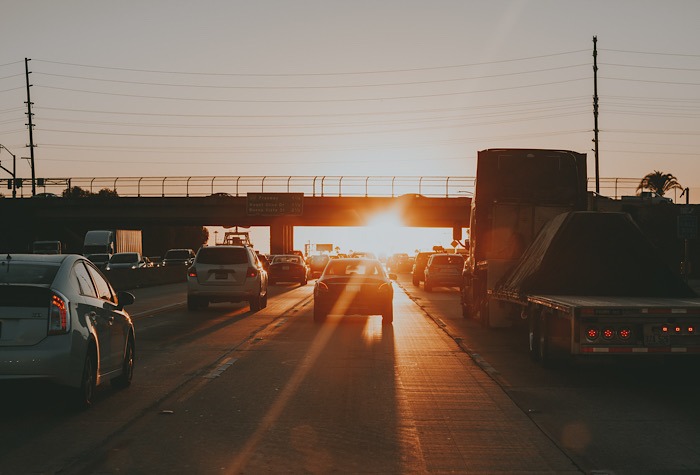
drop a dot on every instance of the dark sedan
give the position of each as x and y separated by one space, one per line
288 268
354 286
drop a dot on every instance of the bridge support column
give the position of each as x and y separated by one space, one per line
281 238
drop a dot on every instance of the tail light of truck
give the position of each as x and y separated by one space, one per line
623 333
58 315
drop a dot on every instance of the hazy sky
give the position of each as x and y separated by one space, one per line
392 87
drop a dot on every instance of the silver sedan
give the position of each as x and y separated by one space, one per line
61 320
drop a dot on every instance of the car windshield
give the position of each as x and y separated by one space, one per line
27 273
123 258
222 255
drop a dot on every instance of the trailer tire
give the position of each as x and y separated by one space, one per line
534 335
484 317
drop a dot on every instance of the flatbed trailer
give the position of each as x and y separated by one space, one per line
562 326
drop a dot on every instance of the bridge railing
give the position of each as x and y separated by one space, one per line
322 186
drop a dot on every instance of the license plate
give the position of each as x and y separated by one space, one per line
655 337
354 288
221 275
285 267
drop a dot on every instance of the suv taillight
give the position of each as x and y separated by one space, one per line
192 272
58 315
252 272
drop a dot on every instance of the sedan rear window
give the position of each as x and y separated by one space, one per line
123 258
24 296
180 254
222 255
23 273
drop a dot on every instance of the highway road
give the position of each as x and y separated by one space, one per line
227 391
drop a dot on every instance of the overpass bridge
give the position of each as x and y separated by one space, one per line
278 202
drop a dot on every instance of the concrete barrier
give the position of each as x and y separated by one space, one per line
125 279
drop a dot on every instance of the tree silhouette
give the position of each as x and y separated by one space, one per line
659 183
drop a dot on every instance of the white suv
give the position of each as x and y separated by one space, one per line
226 274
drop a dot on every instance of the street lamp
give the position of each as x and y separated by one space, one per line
13 172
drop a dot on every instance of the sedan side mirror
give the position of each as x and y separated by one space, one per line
124 299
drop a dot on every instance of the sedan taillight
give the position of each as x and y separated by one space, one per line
58 315
252 272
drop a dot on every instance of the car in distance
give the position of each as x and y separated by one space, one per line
125 260
443 270
399 262
226 273
100 260
62 321
418 271
317 263
178 257
354 286
288 268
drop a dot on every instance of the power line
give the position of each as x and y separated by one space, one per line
292 101
434 68
652 53
342 114
344 86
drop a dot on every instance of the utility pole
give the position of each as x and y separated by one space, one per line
595 111
13 172
31 126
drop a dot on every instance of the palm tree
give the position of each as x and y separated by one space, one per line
659 183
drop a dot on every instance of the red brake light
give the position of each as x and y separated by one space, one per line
608 333
625 333
252 272
58 316
592 333
192 272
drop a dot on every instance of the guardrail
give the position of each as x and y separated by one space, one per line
442 186
323 186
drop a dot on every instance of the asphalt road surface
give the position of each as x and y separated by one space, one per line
222 390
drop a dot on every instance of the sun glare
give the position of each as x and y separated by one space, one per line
385 233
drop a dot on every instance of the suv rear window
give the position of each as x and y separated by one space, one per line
222 255
455 260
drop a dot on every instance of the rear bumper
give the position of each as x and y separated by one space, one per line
58 358
223 293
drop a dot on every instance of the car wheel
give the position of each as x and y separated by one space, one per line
388 315
85 394
124 380
264 300
319 315
255 303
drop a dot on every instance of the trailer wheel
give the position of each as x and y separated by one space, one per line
484 317
543 342
534 335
